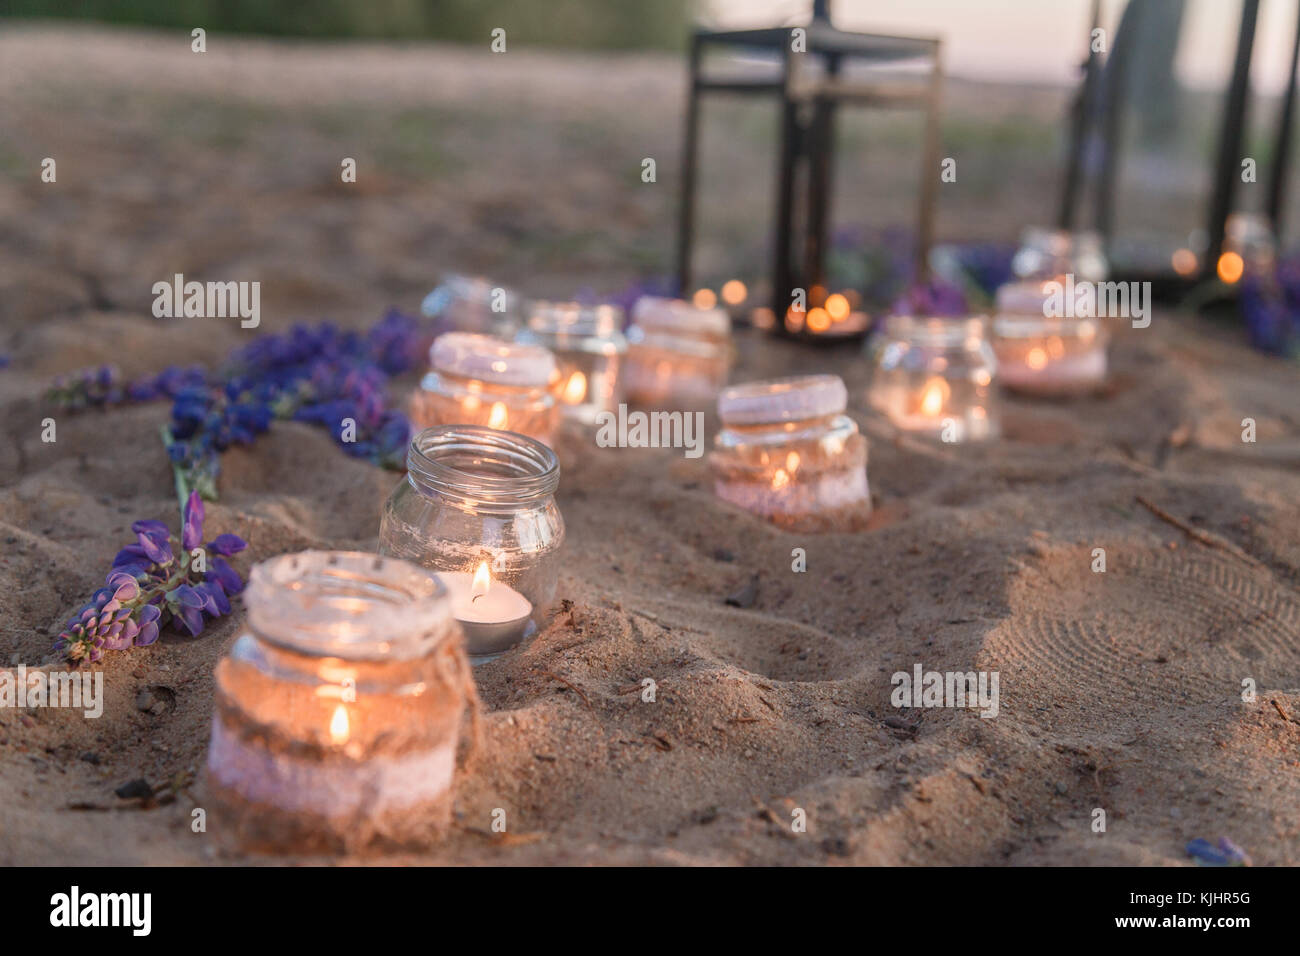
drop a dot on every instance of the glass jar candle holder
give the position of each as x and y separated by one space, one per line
788 453
338 712
480 380
1044 354
473 304
589 347
933 377
1044 253
677 353
477 507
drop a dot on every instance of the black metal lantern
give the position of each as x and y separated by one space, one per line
814 78
1111 95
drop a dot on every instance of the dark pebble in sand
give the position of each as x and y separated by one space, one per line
722 554
139 787
746 596
90 757
155 699
836 846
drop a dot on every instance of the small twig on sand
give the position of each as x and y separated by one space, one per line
1198 534
569 684
1283 713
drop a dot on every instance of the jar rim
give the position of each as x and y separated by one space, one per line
1061 242
936 328
489 359
348 604
777 400
479 290
660 314
513 469
575 318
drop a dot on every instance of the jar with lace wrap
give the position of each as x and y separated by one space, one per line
481 380
788 453
338 712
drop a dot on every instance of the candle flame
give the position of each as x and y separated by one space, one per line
575 389
482 581
1231 266
1036 358
339 728
780 479
734 292
837 307
792 462
497 417
933 396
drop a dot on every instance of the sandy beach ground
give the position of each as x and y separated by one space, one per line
1119 690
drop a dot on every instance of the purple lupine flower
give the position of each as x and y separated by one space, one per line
221 572
227 544
146 589
149 615
155 541
192 528
1225 853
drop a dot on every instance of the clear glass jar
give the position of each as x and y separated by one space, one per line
1047 354
338 711
589 347
477 507
1045 253
788 453
934 377
677 353
473 304
481 380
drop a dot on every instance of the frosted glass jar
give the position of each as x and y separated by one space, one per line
788 453
477 507
473 304
1044 354
678 354
480 380
1045 253
934 377
589 347
338 711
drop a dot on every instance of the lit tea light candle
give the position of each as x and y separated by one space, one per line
589 346
677 353
480 380
933 377
833 316
338 711
492 614
934 397
788 453
1046 354
477 507
574 391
